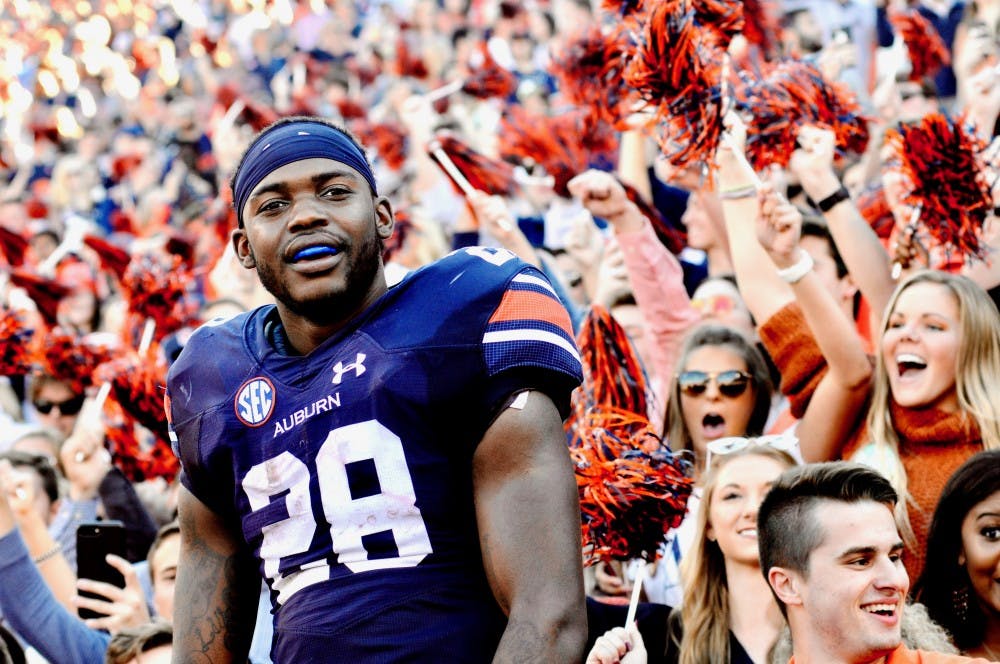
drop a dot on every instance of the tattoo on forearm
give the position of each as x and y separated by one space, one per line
215 602
521 643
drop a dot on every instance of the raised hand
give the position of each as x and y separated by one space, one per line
494 216
19 489
812 162
729 157
122 607
779 225
85 461
602 195
620 644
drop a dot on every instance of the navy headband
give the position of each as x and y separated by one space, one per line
295 141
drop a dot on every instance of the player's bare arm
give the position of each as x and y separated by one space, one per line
216 592
529 524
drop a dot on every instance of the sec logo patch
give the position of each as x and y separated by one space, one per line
255 401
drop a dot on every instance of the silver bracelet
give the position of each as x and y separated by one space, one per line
51 553
794 273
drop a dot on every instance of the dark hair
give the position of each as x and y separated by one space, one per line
167 530
129 643
42 467
814 226
975 481
285 121
458 35
787 529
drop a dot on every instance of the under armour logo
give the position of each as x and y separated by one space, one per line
340 368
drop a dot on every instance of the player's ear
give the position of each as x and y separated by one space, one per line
384 219
242 248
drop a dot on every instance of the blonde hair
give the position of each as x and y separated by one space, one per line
704 612
977 375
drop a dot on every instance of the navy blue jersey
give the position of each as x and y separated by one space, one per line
348 470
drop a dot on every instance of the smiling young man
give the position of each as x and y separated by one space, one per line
832 554
391 461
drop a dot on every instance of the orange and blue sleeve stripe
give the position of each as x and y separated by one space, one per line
530 327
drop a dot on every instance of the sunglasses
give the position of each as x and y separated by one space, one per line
730 444
715 305
731 383
70 406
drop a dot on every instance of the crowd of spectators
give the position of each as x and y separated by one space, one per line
122 120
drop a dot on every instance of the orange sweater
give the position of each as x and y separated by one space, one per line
932 444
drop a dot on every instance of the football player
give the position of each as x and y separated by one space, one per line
391 461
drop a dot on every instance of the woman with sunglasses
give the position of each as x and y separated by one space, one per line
728 613
722 388
55 403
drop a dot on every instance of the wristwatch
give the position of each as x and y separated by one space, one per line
836 197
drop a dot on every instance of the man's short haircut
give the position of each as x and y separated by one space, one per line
40 465
787 530
813 225
131 642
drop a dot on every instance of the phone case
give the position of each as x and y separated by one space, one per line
93 542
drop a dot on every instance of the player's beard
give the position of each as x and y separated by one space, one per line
360 269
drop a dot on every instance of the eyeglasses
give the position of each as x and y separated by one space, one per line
730 444
731 383
70 406
714 305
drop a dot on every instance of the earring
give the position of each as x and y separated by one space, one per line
960 603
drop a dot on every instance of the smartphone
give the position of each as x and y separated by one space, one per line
95 540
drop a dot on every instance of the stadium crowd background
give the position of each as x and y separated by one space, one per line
122 120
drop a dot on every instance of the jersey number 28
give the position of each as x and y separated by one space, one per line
351 519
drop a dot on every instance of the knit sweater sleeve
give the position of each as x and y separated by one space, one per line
790 343
33 612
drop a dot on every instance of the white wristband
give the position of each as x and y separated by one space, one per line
793 273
